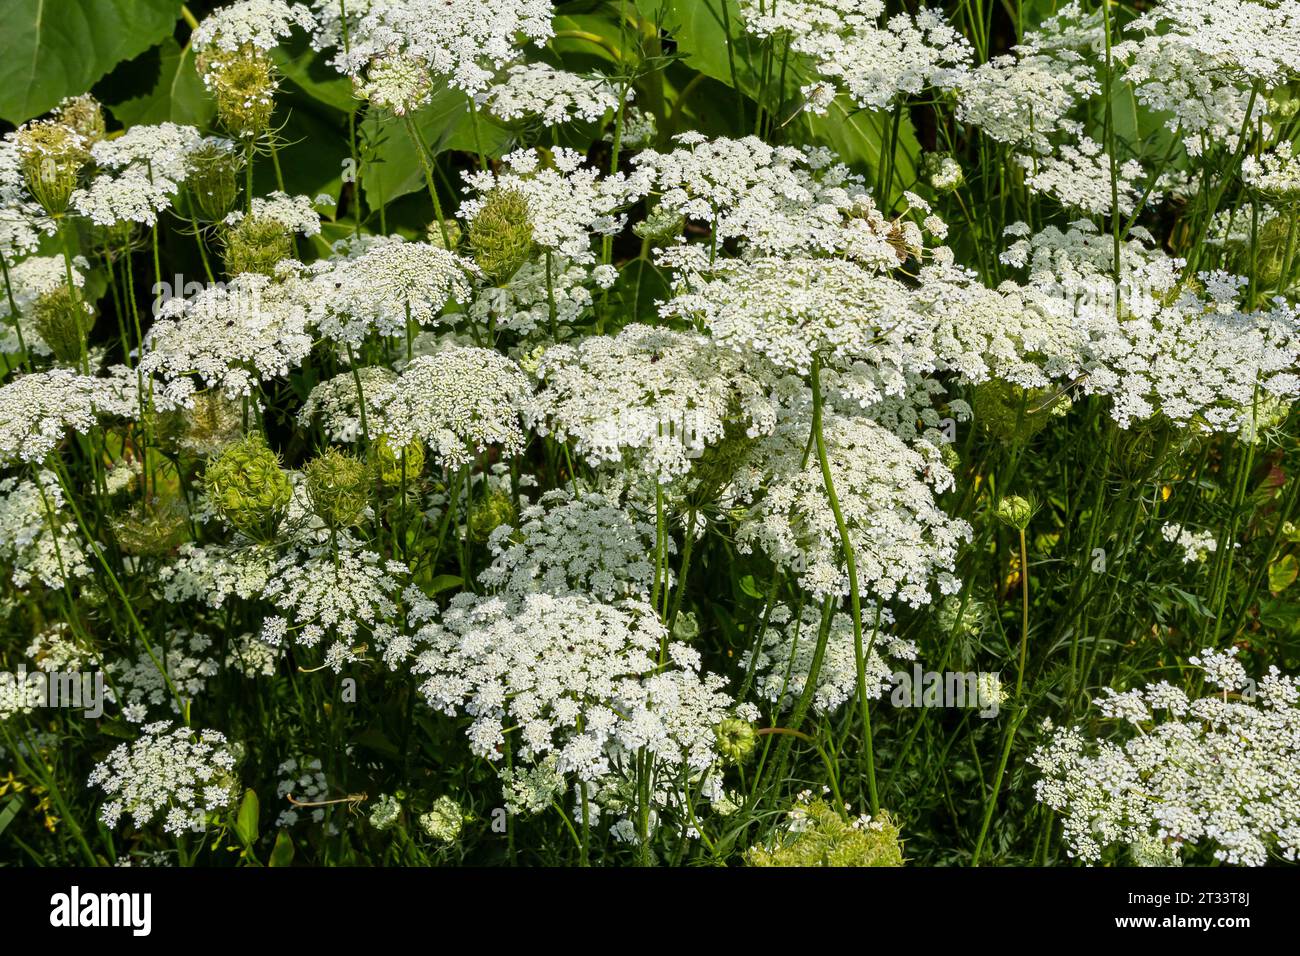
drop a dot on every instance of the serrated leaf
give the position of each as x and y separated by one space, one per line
51 49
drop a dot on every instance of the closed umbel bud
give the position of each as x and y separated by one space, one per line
63 321
85 115
249 488
338 487
488 514
151 529
501 235
1015 512
243 84
389 467
736 739
256 244
213 181
51 155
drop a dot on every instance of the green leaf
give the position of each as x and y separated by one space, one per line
700 30
1282 573
11 808
444 582
861 137
394 168
51 49
282 852
179 96
246 821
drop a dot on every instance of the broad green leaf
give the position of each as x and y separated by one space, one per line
1282 573
179 96
246 821
444 582
861 138
700 28
282 852
51 49
395 170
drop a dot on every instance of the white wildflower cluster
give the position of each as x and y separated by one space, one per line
251 656
578 678
1275 174
874 62
30 279
324 591
38 409
903 542
1196 545
22 222
1079 176
460 401
770 199
232 337
303 779
790 310
648 395
783 662
554 96
38 536
568 202
526 301
461 41
573 545
295 213
257 23
58 648
138 684
173 772
143 169
1211 772
380 286
214 573
336 403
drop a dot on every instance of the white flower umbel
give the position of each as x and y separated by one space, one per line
380 285
903 542
337 405
38 538
651 395
257 23
568 203
139 687
38 409
28 281
1079 177
180 774
460 401
464 42
1196 545
1213 772
781 665
232 337
295 213
563 545
554 96
873 61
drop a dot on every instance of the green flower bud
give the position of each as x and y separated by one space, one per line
387 809
454 234
63 321
256 244
153 528
213 181
444 820
211 424
485 516
686 627
388 467
661 226
501 235
1015 512
338 487
249 488
942 172
83 114
244 84
736 739
51 156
